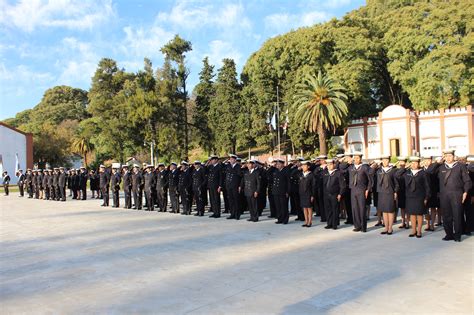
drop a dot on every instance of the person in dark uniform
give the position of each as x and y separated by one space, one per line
387 185
57 195
233 177
417 191
149 184
360 184
374 166
6 183
29 182
21 182
45 184
334 185
344 167
83 182
262 196
104 182
199 187
75 183
401 198
39 183
269 174
93 185
137 184
214 185
52 191
469 204
127 186
34 183
320 197
185 182
62 179
295 172
307 191
250 186
115 181
433 201
162 178
280 191
454 185
173 181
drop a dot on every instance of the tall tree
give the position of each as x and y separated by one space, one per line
175 50
225 107
204 92
320 104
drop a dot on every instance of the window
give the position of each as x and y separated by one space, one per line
458 143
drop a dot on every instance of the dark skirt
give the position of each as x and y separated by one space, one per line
385 202
433 202
415 205
305 201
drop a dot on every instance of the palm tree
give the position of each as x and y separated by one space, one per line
82 146
320 104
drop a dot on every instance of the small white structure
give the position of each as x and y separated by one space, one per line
402 132
14 142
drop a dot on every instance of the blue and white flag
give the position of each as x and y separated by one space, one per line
17 164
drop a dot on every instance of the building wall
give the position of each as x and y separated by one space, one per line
11 143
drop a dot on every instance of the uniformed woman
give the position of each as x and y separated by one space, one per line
417 193
307 191
387 189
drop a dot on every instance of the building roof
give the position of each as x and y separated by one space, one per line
14 129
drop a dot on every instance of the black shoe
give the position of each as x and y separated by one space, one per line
378 224
304 225
334 228
389 233
447 238
278 222
418 236
356 230
363 230
457 240
197 214
327 227
250 220
348 222
309 225
412 235
384 232
237 218
270 217
231 217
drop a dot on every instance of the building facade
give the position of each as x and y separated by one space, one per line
399 131
13 143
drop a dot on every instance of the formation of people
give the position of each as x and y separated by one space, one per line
424 190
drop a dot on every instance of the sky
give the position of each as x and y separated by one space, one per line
60 42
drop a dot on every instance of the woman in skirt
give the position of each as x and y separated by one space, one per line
387 188
307 191
417 189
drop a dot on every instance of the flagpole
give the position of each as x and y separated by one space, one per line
278 124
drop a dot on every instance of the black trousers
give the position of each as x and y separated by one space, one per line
261 201
271 201
358 209
322 208
215 200
105 195
115 198
185 201
137 198
149 200
46 193
58 193
128 199
52 193
22 191
200 202
62 193
174 200
226 201
281 204
29 189
252 206
348 206
234 202
453 212
332 210
468 222
74 193
7 189
162 201
296 205
84 193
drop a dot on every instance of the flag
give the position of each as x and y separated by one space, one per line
285 124
1 164
273 122
17 164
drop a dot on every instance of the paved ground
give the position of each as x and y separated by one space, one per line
77 257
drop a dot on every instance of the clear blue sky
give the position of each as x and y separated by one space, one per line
59 42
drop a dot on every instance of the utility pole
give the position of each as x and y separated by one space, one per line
278 124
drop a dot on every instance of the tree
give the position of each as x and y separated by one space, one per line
175 50
320 104
81 145
204 93
225 108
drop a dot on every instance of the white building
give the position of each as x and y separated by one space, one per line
403 132
14 142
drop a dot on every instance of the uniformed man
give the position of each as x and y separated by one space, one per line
233 176
454 184
469 204
57 195
148 187
162 187
295 172
137 186
214 184
35 184
74 183
62 177
29 183
320 210
6 183
360 184
83 182
45 184
21 182
344 164
433 201
185 187
52 192
127 186
280 191
115 181
262 194
104 182
199 186
39 184
401 197
334 185
173 181
250 186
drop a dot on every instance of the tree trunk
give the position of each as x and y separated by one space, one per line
85 159
323 149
